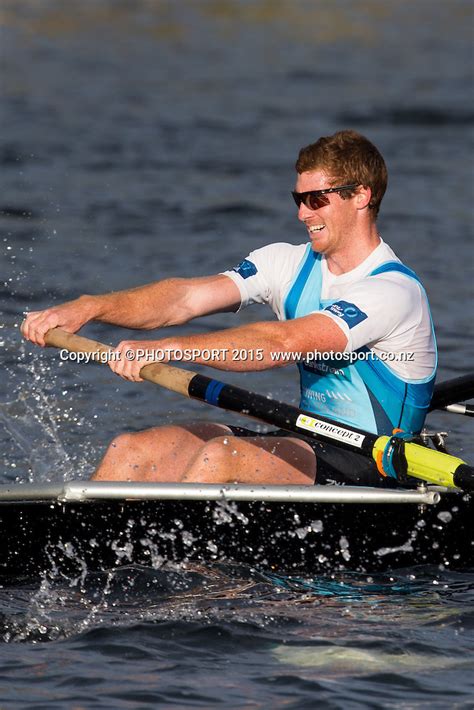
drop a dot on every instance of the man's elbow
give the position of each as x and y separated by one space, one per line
304 347
179 296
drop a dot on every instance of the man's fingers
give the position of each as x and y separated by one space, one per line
126 363
25 327
68 316
129 371
36 325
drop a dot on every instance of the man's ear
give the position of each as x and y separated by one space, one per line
363 196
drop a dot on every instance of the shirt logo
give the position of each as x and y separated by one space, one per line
246 268
348 312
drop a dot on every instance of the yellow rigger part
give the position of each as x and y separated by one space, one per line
426 464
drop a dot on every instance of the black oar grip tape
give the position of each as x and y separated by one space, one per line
241 401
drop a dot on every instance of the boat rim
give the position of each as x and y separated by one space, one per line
84 491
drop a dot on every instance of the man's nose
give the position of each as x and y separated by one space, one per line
304 212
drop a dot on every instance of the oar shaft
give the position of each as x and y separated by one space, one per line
423 463
466 409
279 414
452 391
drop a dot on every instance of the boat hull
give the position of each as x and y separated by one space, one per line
74 537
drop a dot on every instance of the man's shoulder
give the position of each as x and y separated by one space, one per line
278 256
284 248
382 278
381 255
385 264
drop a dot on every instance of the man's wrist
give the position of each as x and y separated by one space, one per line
91 306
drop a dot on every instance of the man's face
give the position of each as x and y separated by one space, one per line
329 226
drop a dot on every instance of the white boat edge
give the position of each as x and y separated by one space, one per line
83 491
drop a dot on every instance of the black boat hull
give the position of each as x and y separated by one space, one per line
76 537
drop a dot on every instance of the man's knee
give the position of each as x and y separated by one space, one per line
171 434
122 443
219 451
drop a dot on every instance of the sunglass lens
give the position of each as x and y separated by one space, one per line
312 200
297 198
315 202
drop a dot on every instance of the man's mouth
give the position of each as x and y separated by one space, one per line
316 228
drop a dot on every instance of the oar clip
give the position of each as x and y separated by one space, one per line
393 461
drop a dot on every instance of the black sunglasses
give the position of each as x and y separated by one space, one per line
314 199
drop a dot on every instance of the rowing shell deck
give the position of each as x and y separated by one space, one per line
80 526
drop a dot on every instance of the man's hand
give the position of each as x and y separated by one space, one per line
131 355
70 316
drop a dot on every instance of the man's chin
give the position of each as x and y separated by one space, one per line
317 247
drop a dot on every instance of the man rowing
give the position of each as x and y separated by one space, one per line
356 318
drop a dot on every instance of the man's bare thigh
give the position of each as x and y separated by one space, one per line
291 450
207 452
253 460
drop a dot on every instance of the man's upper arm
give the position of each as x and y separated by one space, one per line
266 274
211 294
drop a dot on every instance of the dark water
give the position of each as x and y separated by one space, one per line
149 139
205 637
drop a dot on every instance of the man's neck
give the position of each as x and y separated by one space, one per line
345 260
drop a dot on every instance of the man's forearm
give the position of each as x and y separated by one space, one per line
164 303
257 346
228 349
152 306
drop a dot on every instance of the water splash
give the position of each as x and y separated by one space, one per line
32 421
64 607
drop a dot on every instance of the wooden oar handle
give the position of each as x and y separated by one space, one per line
58 338
172 378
